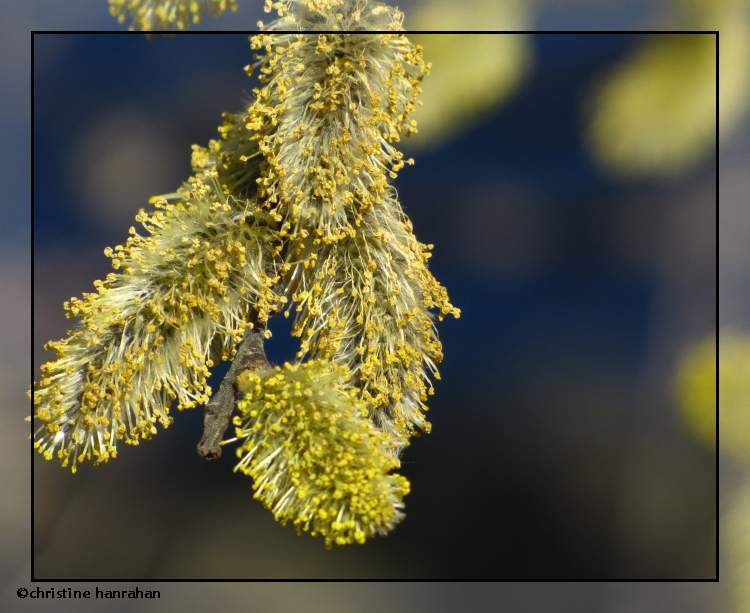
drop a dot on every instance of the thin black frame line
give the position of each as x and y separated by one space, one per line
34 579
361 32
31 236
371 580
718 497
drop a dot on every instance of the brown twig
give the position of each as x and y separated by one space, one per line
250 356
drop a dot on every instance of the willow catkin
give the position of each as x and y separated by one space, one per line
164 14
293 203
315 458
655 115
327 117
147 337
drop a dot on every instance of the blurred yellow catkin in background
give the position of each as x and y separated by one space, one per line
696 392
656 114
471 74
736 525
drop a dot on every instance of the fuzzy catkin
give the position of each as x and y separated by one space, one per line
292 204
377 321
151 331
315 458
656 113
163 14
327 117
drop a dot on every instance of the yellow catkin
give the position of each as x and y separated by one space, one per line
292 205
327 117
655 115
315 459
165 14
147 337
695 391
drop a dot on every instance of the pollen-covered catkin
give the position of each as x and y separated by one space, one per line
327 117
147 337
233 156
163 14
376 292
315 458
292 205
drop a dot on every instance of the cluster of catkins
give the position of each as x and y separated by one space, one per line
291 210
